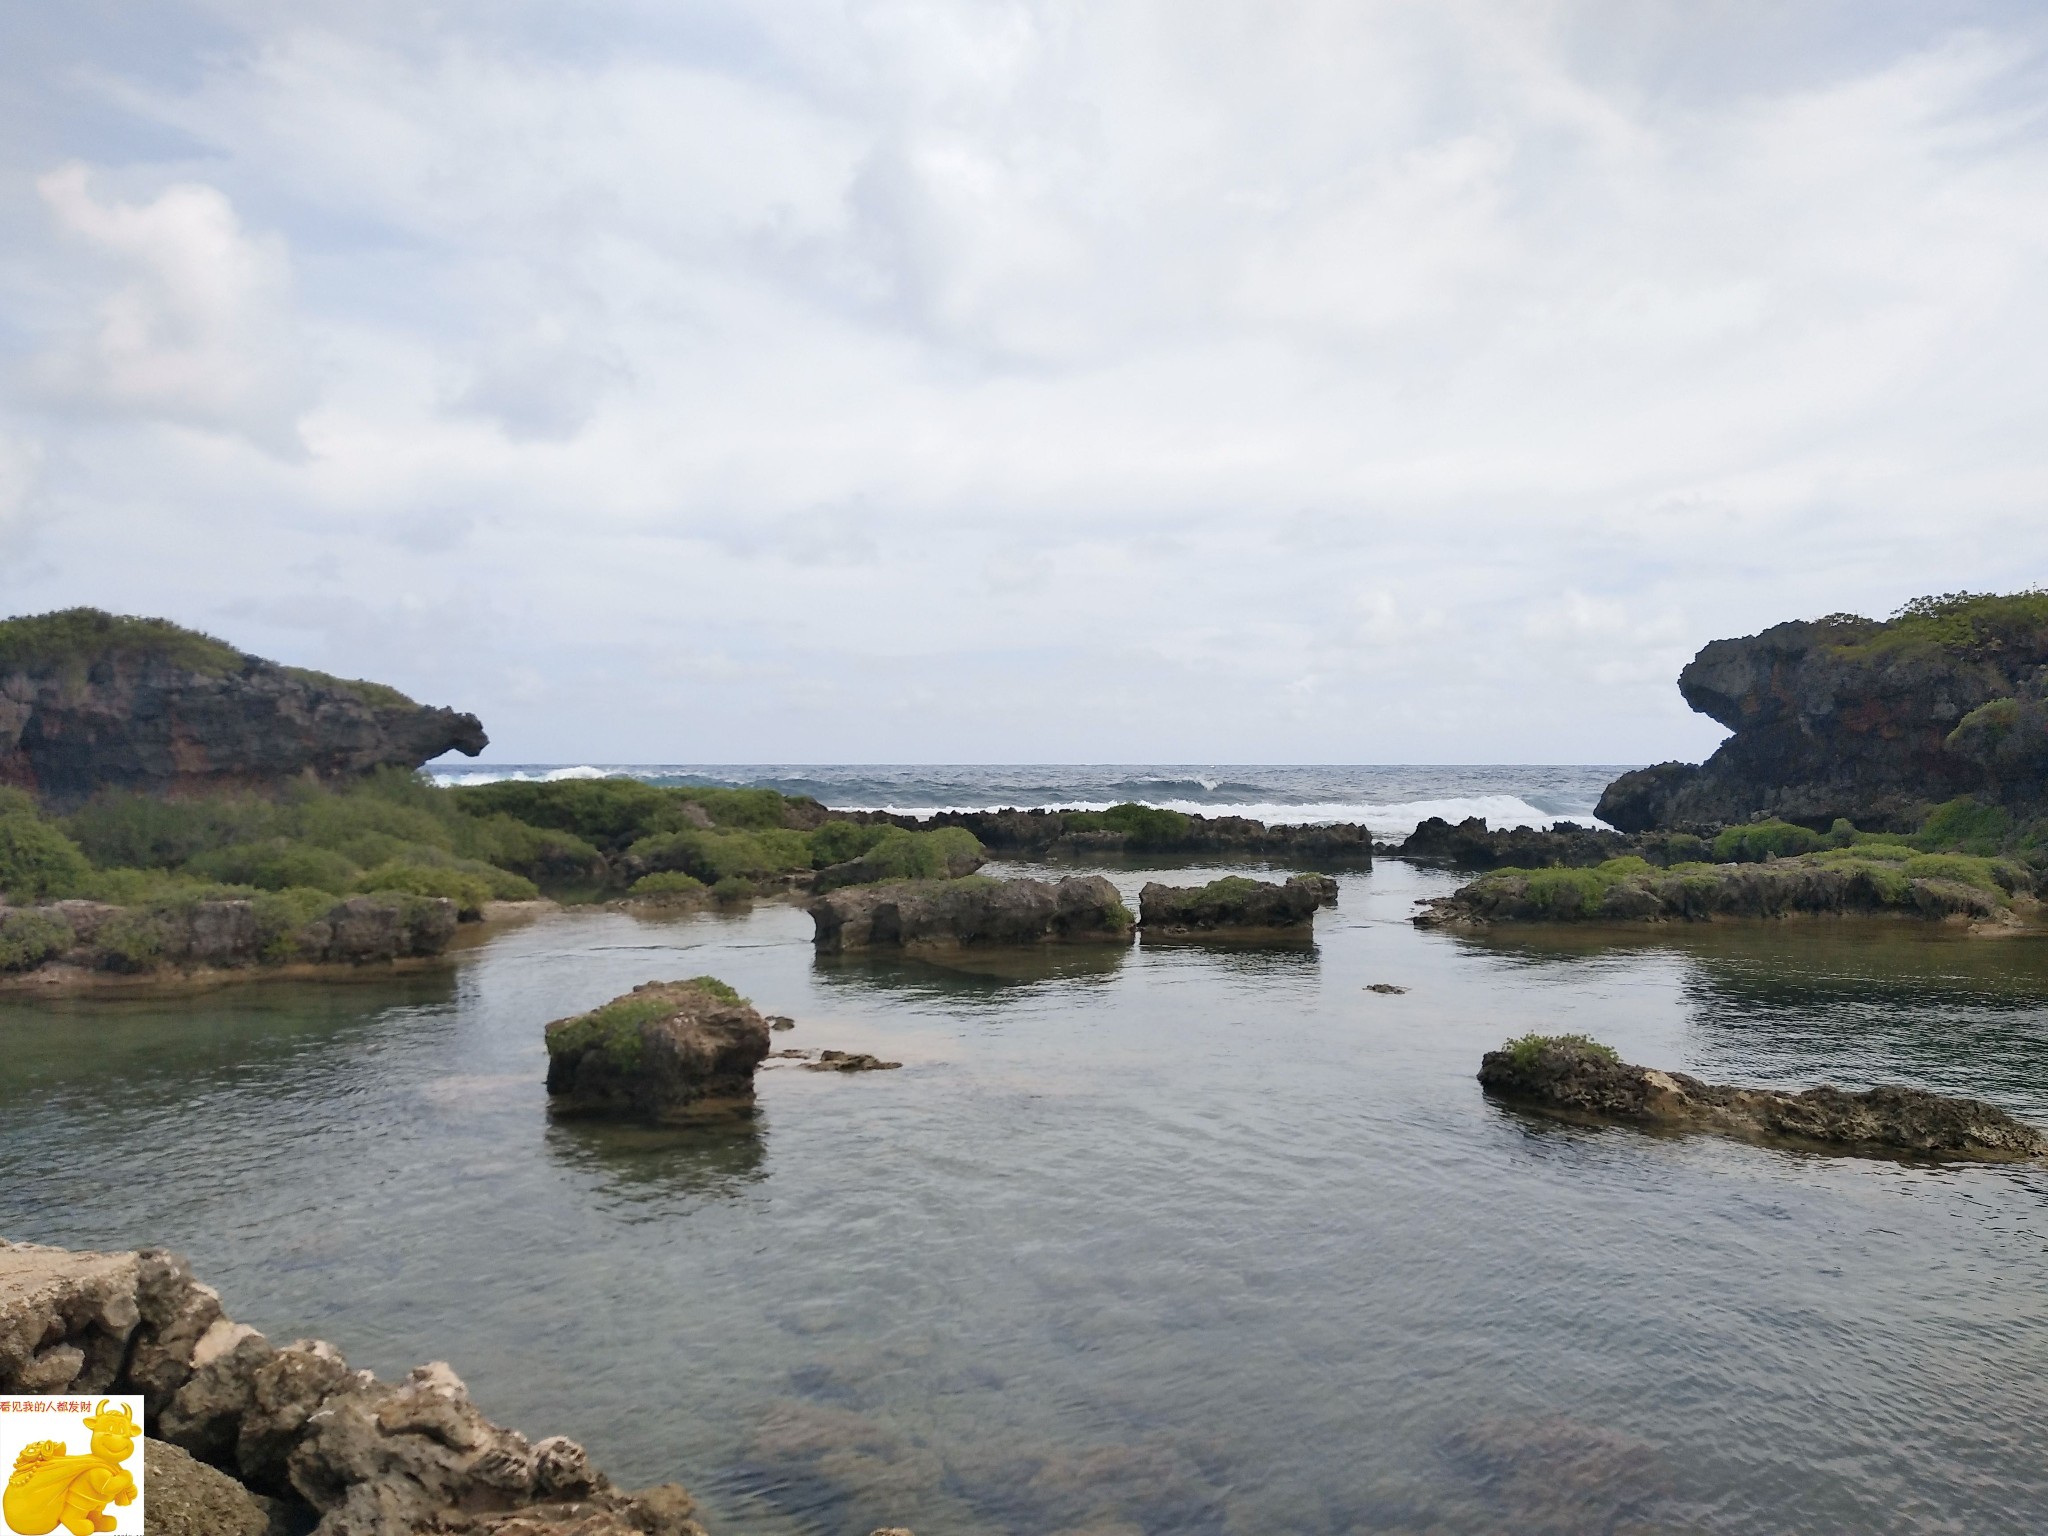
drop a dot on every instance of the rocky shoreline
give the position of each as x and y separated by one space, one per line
1141 829
257 1439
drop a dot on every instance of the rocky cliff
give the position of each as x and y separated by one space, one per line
89 701
1875 722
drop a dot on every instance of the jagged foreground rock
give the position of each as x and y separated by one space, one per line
1234 907
1846 717
666 1051
370 1458
89 701
975 912
1578 1077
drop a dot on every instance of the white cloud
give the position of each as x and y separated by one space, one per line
21 461
200 329
1131 378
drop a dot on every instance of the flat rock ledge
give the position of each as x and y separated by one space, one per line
1234 907
291 1431
74 943
668 1051
1580 1079
916 915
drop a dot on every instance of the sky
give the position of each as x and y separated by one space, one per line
1022 380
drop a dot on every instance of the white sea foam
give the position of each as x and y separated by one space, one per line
452 778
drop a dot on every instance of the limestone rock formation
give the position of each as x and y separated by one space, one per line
1875 722
1231 907
952 914
362 1456
234 934
666 1051
89 701
1578 1077
189 1498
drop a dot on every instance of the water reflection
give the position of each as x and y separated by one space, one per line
947 973
662 1169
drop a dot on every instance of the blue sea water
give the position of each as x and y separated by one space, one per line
1389 798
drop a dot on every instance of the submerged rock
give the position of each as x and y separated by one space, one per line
667 1050
361 1456
952 914
1232 906
850 1061
91 701
1576 1076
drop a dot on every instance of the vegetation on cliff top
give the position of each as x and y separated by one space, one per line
81 637
1966 623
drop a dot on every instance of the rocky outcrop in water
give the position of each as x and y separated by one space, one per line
1470 844
1846 717
68 941
666 1051
1578 1077
294 1424
1232 907
1144 829
975 912
89 701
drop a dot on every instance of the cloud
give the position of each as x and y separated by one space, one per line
1316 380
200 329
20 468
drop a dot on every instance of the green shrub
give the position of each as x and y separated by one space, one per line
81 636
130 941
120 830
27 939
467 891
277 865
838 841
1525 1050
920 855
1760 840
1968 869
667 882
754 810
1967 623
280 915
1147 826
733 889
1964 825
609 813
1841 832
714 856
37 861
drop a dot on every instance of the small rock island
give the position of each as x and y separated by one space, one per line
667 1051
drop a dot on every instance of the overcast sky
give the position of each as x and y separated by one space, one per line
982 380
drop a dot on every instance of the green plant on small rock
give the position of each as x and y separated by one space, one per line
1526 1050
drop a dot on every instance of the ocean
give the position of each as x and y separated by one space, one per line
1389 798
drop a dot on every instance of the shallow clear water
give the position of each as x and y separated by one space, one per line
1170 1241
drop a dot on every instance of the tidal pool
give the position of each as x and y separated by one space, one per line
1171 1241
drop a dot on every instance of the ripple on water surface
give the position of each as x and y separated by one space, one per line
1176 1240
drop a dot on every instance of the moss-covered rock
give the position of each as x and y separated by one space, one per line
974 912
666 1051
1231 907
